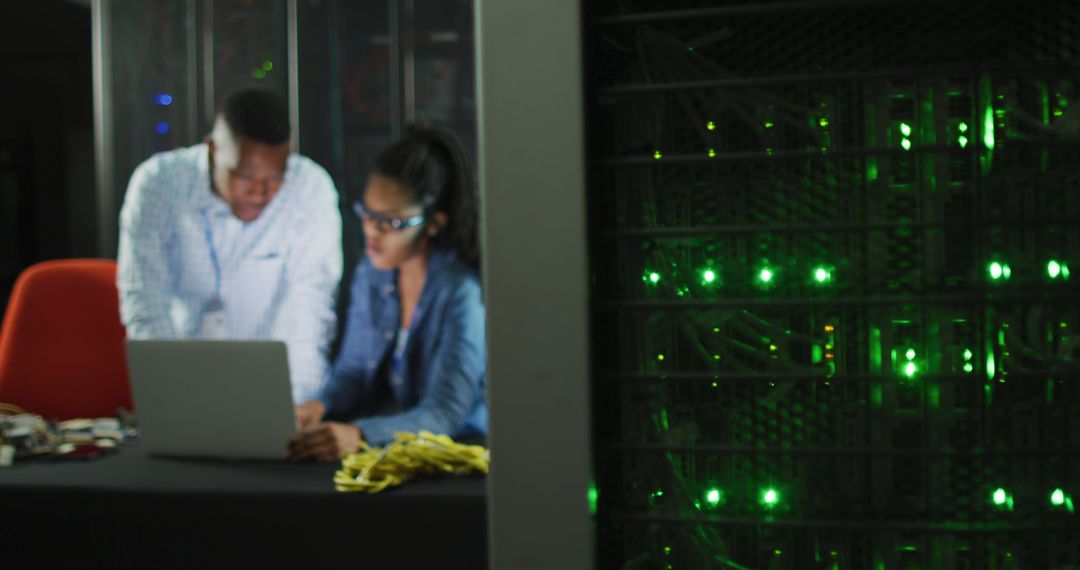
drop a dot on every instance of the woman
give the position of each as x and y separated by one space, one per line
413 354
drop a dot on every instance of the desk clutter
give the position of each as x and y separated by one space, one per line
24 434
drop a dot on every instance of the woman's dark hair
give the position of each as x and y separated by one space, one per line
431 162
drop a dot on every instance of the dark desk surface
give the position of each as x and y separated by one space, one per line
132 510
131 470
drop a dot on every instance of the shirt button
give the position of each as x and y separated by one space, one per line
388 335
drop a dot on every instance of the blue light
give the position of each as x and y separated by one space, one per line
163 99
162 128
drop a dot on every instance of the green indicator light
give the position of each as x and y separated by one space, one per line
660 357
905 144
768 124
267 65
710 125
1053 269
1057 498
968 355
770 498
824 122
709 276
822 275
969 368
905 129
594 496
999 270
988 128
657 155
712 496
258 74
910 354
654 277
1064 271
766 275
962 126
910 369
1000 497
962 140
712 153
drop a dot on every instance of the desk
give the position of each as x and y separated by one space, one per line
131 510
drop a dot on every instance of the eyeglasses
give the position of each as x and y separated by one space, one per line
387 223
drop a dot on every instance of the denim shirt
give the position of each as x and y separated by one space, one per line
441 388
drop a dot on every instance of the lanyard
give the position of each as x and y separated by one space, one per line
214 261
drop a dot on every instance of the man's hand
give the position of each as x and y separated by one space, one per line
328 441
309 414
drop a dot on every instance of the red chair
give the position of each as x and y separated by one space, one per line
62 343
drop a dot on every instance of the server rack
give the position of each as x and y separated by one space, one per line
832 308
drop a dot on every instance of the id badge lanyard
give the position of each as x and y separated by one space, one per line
213 317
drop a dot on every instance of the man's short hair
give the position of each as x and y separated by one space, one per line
257 114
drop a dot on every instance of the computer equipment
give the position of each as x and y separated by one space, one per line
212 398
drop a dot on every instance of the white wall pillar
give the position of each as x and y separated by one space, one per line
532 179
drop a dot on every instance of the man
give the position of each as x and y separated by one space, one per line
235 238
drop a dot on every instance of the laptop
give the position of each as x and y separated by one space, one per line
212 398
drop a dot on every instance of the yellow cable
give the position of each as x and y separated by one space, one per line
10 409
373 469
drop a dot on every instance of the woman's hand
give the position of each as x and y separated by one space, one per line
309 414
328 441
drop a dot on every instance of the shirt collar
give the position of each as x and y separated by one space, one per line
439 260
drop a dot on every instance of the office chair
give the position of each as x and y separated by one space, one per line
62 343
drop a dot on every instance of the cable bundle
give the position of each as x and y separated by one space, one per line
373 469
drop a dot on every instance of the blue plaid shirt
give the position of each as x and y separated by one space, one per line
184 255
443 370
